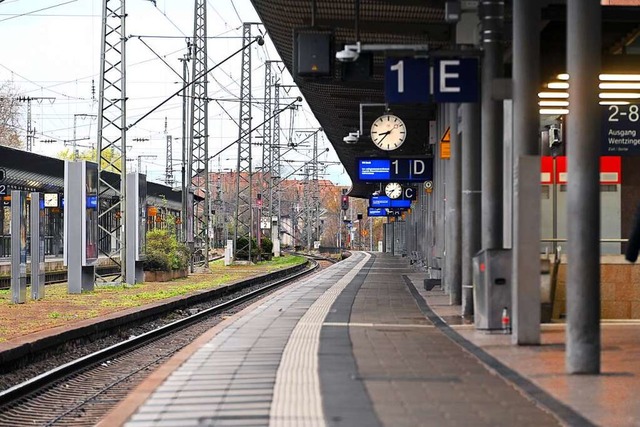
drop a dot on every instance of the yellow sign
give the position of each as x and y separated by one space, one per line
445 150
445 144
447 136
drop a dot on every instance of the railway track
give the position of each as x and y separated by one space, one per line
81 392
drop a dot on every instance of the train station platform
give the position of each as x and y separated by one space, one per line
361 343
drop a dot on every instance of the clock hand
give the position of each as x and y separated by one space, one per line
384 135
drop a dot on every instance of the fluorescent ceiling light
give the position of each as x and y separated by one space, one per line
620 77
620 95
553 103
553 95
563 76
622 85
558 85
554 111
614 103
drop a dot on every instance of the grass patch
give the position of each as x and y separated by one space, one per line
59 308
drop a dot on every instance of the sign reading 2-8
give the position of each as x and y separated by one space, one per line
624 112
620 130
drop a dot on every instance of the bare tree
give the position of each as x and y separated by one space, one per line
9 116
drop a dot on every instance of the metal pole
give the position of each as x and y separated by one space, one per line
470 199
453 260
183 212
526 221
583 192
492 17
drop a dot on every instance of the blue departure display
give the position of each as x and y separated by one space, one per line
400 169
379 202
376 212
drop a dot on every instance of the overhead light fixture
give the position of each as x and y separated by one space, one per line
620 77
558 85
620 95
553 95
554 111
614 103
553 103
620 85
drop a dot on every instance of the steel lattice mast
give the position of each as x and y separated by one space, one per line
315 188
274 188
112 132
198 140
244 214
266 135
168 171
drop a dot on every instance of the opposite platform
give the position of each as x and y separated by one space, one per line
347 347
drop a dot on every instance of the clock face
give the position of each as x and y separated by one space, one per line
393 190
388 132
50 200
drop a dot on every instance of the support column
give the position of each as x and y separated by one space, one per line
37 247
470 160
526 220
492 18
583 195
453 259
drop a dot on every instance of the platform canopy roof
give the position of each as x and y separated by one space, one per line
335 100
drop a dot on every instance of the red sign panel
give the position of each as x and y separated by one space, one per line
610 170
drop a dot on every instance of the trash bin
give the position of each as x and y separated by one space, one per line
491 287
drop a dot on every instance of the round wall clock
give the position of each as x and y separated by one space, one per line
388 132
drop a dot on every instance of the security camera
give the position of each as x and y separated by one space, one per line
347 55
352 138
555 136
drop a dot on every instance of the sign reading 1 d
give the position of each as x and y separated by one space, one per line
415 80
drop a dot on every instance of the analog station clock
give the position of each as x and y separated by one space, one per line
388 132
393 190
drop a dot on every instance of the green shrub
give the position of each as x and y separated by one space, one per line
242 247
164 253
266 245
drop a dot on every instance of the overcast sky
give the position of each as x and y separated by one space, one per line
51 48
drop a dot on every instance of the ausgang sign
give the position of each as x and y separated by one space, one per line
620 130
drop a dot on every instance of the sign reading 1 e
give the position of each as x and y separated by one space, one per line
620 130
414 80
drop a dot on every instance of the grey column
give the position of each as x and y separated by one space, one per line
453 259
525 316
492 18
18 247
583 192
471 243
37 248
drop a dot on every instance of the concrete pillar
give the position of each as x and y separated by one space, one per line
470 145
492 20
453 259
526 220
583 192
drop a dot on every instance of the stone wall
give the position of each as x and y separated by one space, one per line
619 289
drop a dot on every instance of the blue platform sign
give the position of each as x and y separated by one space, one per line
395 169
401 203
415 81
455 80
406 81
620 130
